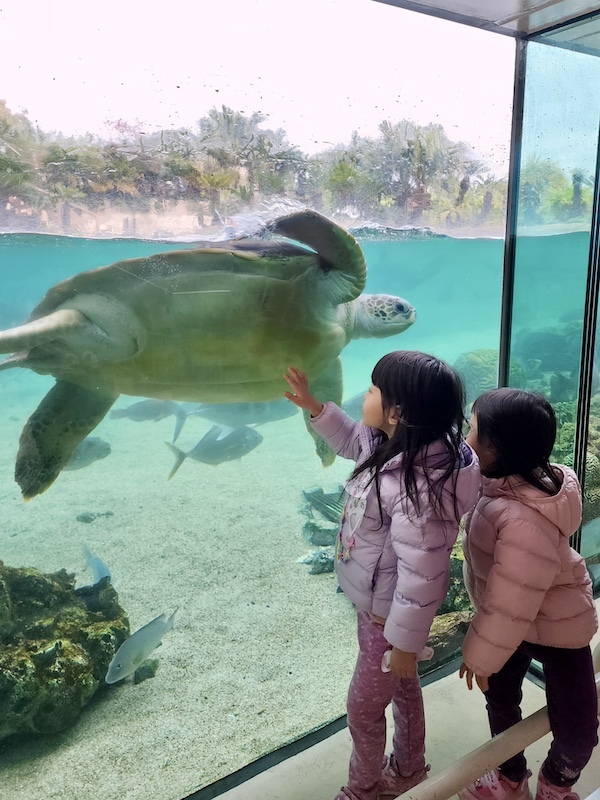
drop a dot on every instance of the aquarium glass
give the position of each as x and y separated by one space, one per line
209 507
556 185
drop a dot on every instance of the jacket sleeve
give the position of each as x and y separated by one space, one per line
339 430
526 563
423 554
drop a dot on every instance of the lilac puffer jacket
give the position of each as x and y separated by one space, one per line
397 567
525 581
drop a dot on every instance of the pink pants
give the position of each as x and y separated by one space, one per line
371 691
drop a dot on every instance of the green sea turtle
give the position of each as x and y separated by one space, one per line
213 324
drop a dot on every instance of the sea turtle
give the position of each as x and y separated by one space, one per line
214 324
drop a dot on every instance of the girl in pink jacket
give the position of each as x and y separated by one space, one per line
414 479
531 592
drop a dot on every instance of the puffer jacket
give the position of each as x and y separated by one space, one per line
525 581
397 565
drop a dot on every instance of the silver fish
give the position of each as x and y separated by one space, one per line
137 647
218 445
153 411
235 414
95 563
353 406
89 450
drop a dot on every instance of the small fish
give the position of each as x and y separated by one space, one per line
353 406
89 450
137 647
234 414
218 445
96 565
153 411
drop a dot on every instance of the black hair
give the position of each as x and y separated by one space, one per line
428 396
520 427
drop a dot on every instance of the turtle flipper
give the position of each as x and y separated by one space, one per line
338 249
61 421
328 386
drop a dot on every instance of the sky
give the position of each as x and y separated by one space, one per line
320 69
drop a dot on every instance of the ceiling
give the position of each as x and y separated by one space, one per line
513 17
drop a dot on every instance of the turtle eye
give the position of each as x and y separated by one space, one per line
400 307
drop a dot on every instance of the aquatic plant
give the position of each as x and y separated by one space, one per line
56 643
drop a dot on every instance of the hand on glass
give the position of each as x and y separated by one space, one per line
403 664
468 675
300 395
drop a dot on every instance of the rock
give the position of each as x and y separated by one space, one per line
321 561
146 670
55 646
319 534
446 637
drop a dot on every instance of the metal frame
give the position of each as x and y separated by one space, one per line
510 245
588 343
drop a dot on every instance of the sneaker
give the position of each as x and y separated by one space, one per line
346 794
546 791
494 786
393 784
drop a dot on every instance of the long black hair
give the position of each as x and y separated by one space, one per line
520 427
428 397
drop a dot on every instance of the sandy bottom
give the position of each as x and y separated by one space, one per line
261 651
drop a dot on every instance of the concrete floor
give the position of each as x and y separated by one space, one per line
456 724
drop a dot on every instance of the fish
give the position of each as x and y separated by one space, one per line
153 411
353 406
96 565
89 450
218 445
233 415
137 647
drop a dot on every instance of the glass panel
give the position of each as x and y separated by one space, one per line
213 133
560 139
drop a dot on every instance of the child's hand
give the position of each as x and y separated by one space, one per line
300 395
468 675
403 664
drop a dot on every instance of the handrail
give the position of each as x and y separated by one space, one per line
494 752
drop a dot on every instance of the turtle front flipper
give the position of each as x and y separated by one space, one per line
328 386
339 251
62 420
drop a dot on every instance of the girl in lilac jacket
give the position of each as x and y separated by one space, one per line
414 479
531 591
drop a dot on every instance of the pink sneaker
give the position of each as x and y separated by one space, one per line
546 791
346 794
494 786
393 784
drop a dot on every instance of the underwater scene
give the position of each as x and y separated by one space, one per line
206 523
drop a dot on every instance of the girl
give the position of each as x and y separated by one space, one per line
414 479
531 591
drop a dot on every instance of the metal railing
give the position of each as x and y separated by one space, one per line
494 752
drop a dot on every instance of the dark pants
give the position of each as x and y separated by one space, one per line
572 708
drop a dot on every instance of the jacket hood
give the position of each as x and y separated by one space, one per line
562 509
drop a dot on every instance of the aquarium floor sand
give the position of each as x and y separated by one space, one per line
261 651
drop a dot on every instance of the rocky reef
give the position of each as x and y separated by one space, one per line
56 643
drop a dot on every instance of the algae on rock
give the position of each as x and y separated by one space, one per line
56 643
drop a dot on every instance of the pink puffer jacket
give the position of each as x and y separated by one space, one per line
525 581
398 565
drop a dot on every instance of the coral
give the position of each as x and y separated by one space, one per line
56 643
479 370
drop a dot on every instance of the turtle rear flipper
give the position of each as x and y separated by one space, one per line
339 251
61 421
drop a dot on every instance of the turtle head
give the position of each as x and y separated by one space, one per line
375 316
